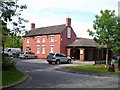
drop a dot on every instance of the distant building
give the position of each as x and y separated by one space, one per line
61 39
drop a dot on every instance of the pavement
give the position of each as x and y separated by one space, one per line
60 68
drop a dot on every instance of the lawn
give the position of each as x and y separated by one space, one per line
92 68
10 77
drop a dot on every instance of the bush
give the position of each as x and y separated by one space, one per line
8 64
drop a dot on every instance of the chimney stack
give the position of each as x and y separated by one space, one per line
32 26
68 22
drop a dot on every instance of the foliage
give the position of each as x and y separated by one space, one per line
8 64
107 31
11 13
92 68
10 77
13 41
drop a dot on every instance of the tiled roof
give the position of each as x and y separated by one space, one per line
84 42
46 30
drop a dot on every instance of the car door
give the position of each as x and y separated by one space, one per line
63 58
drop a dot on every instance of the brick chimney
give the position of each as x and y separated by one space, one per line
32 26
68 22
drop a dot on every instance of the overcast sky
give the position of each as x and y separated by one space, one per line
54 12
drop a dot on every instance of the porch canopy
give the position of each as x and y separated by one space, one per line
86 49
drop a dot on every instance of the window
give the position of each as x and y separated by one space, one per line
38 39
52 38
68 32
43 49
27 48
27 40
38 49
51 48
43 39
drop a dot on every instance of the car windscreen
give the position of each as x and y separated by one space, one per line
51 54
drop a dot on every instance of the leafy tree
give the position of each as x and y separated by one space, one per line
11 9
107 31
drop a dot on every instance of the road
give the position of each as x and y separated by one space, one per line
43 75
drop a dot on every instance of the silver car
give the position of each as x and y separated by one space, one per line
58 58
27 54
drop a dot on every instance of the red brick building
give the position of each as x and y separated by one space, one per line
51 39
61 39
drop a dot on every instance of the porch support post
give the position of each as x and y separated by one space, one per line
91 54
102 53
82 54
68 52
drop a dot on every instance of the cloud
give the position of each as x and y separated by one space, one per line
54 12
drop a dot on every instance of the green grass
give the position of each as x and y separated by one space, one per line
92 68
10 77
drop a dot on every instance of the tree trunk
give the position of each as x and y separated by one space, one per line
107 51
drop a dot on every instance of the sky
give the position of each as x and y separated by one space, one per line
54 12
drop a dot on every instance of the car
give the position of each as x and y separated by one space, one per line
27 54
16 54
58 58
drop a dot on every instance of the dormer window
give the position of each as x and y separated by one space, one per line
68 32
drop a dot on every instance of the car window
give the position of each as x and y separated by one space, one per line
51 54
32 53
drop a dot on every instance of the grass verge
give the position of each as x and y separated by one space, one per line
92 68
10 77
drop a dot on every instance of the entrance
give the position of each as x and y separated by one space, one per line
75 53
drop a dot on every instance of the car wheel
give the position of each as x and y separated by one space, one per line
50 62
58 62
69 61
26 57
35 57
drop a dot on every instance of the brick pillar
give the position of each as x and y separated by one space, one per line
68 52
82 54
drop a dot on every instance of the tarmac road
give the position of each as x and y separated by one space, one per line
43 75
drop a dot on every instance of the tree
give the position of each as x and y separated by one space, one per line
107 31
9 10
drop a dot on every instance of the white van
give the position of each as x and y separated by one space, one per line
9 51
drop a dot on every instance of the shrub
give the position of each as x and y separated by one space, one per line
8 64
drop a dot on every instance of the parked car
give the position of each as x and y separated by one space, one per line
27 54
16 54
58 58
10 51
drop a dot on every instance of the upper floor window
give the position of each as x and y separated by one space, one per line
52 38
68 32
43 39
27 40
38 39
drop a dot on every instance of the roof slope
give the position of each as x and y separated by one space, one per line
46 30
84 42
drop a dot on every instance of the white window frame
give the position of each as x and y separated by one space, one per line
43 39
27 47
27 40
38 39
51 48
68 32
43 49
38 49
51 38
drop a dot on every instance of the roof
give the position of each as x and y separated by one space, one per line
57 29
84 42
